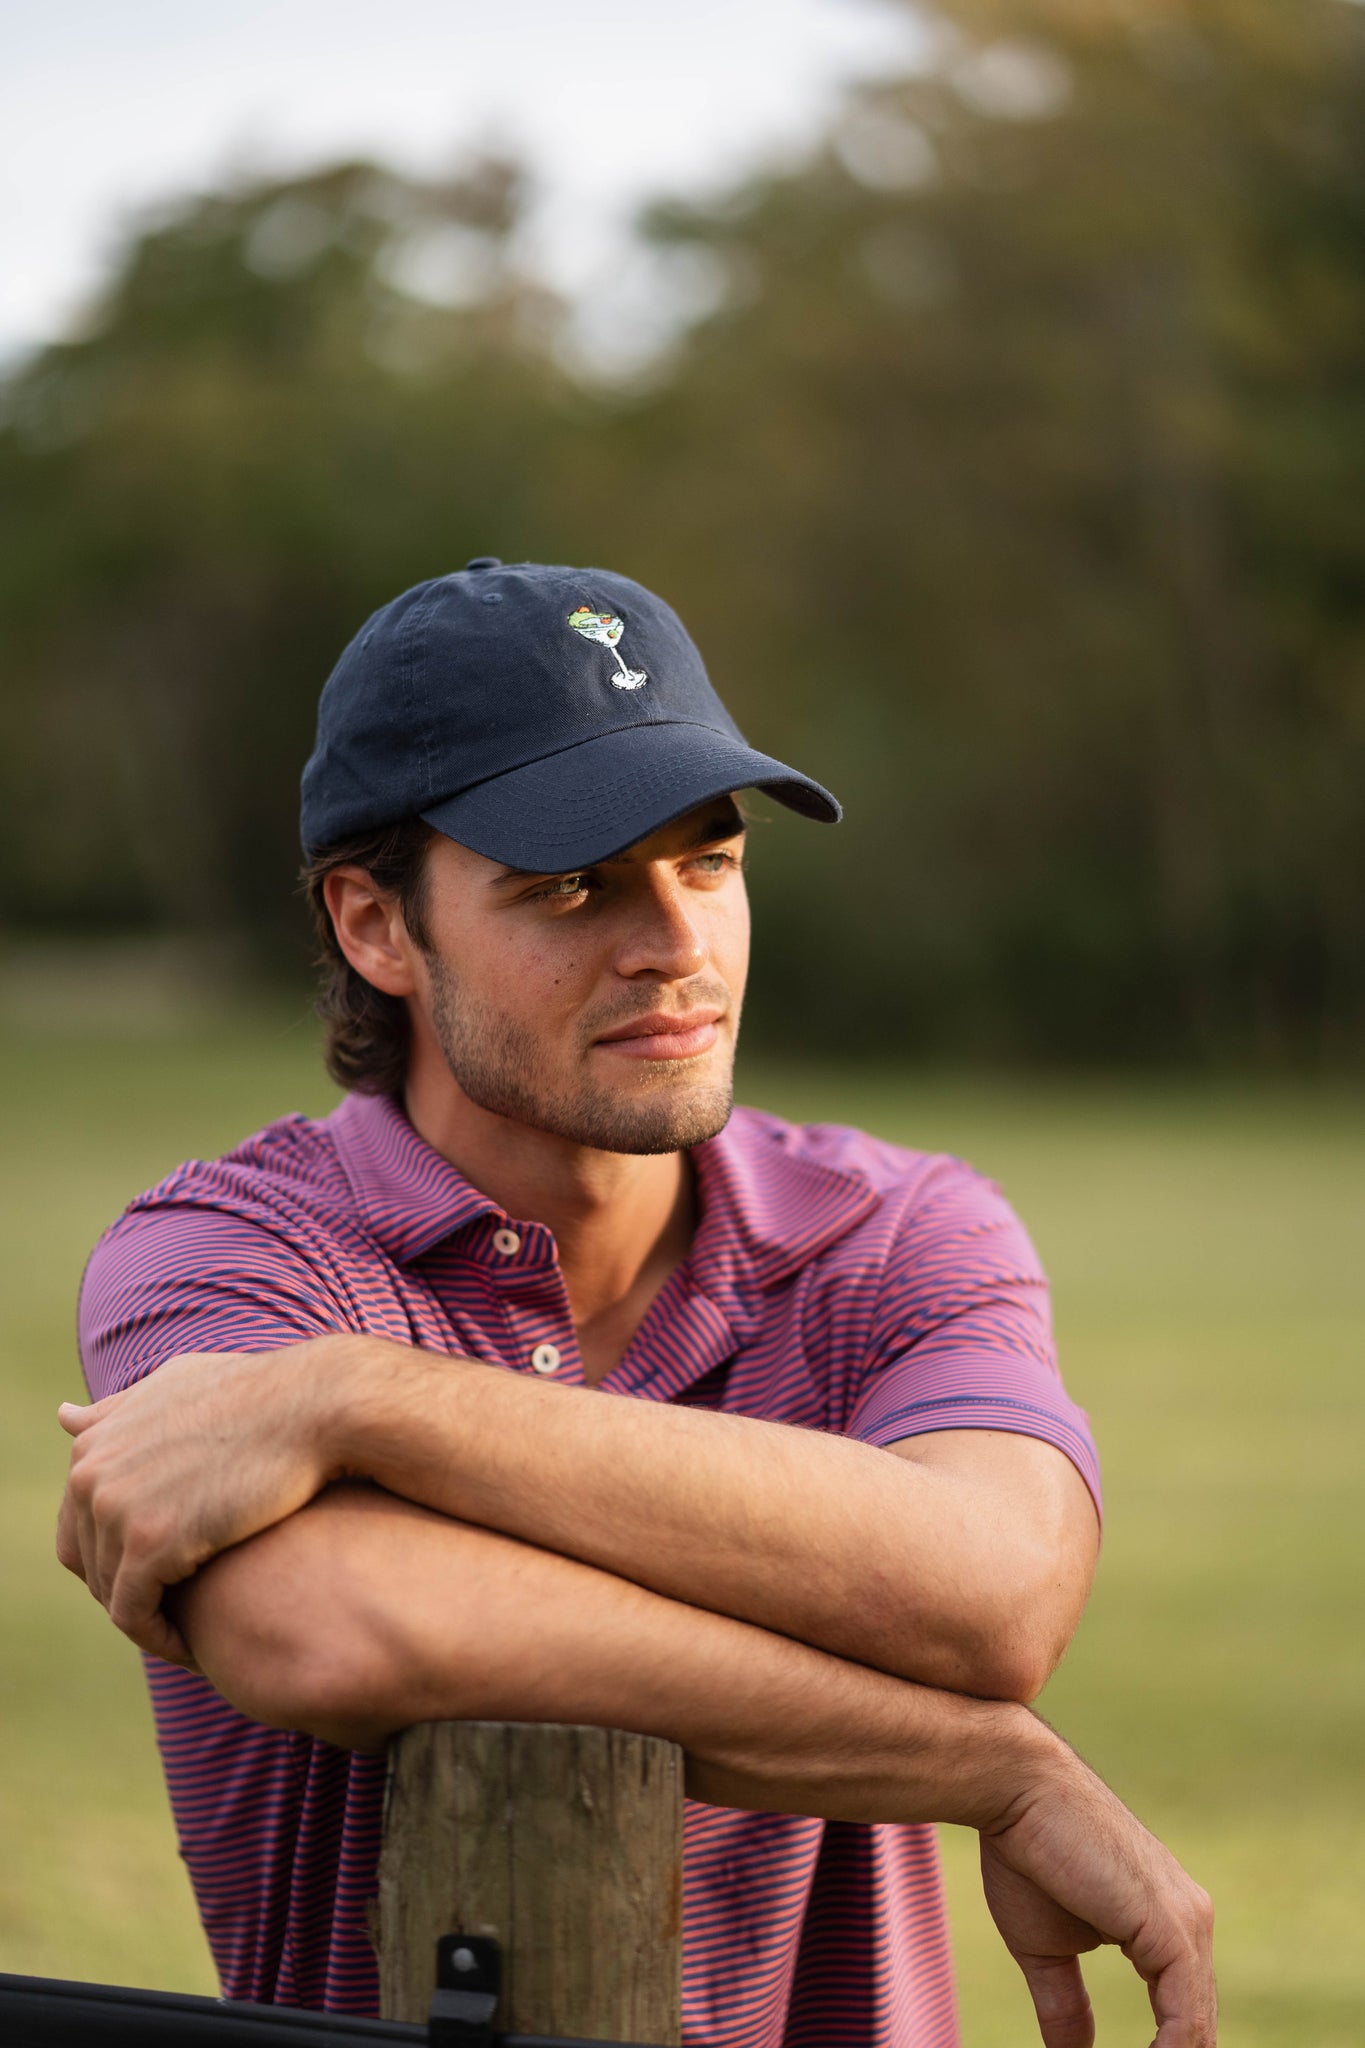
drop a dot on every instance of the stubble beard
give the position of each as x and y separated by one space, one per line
500 1065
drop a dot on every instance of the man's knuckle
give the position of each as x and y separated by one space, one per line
147 1535
143 1559
83 1478
110 1507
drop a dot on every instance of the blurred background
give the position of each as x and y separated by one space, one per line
984 381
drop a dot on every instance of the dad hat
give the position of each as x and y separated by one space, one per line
545 717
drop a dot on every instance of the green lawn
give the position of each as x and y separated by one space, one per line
1207 1244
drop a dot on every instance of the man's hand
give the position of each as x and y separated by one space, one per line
1070 1868
204 1452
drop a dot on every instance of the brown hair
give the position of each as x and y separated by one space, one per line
368 1035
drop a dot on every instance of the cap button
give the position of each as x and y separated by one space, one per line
484 562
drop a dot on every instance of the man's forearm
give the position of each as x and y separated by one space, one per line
895 1565
363 1614
965 1569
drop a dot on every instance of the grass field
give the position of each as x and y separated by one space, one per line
1207 1245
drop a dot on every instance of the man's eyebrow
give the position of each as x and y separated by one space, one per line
729 824
720 825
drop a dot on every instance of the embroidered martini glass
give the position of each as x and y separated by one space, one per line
607 628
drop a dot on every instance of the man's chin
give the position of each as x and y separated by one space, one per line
671 1121
661 1111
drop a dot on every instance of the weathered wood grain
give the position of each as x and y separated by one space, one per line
565 1844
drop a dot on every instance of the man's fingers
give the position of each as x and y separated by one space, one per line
160 1638
138 1573
1184 1996
1185 2031
110 1561
124 1558
68 1537
1173 1952
73 1417
135 1607
134 1601
76 1416
1060 1999
85 1536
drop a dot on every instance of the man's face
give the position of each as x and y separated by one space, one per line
601 1006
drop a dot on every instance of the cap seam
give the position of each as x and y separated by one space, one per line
418 620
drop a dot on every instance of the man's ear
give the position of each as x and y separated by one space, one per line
370 930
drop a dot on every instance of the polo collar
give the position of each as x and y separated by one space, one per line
407 1196
766 1206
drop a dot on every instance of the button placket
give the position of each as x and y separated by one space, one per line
534 1299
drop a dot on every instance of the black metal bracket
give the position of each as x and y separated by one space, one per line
468 1983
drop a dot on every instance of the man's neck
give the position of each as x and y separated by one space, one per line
622 1221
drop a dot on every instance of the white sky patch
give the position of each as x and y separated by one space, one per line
107 110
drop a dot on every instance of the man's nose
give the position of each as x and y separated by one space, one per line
663 934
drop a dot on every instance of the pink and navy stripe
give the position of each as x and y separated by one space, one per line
835 1283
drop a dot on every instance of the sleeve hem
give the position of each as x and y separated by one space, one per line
989 1411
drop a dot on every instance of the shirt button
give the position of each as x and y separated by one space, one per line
545 1358
507 1242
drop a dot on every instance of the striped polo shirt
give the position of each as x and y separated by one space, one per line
835 1282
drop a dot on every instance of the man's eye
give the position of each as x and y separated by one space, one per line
564 885
716 863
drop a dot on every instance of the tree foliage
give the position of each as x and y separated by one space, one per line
1012 489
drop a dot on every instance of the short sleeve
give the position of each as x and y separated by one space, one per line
962 1337
183 1277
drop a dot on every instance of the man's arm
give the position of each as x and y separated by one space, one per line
362 1614
963 1563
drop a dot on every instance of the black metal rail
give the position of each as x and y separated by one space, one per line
50 2012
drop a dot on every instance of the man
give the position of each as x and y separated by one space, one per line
836 1526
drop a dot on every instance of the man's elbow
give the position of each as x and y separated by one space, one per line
1023 1630
1015 1666
311 1688
276 1641
989 1655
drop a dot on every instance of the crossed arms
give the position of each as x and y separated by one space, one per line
362 1536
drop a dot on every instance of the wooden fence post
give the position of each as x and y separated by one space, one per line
565 1845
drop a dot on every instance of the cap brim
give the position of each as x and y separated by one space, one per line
591 801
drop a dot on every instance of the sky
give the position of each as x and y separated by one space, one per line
107 110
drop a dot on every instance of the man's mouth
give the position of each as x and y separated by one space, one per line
665 1037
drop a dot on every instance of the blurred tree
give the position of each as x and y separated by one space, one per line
1012 487
295 399
1020 476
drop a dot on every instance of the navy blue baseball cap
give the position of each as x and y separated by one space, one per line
545 717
